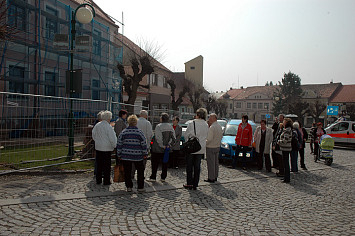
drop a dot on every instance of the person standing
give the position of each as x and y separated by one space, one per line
121 123
276 154
317 133
132 150
276 147
173 160
105 142
304 136
146 127
163 141
213 143
243 140
198 128
296 144
285 145
263 138
311 143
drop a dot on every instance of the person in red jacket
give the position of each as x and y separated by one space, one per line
243 140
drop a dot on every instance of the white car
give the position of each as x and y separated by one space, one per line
342 132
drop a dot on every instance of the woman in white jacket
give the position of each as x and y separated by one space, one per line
263 138
193 161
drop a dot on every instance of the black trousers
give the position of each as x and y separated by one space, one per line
275 159
267 161
286 162
156 159
127 165
301 151
103 161
174 159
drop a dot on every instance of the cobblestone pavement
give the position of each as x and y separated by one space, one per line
320 201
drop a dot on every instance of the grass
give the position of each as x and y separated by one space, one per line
16 158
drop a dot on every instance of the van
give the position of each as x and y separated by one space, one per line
343 133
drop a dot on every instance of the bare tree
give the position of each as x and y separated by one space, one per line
176 103
316 109
195 95
142 63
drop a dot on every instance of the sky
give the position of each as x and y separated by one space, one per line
247 42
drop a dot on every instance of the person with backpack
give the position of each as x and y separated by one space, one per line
296 143
284 142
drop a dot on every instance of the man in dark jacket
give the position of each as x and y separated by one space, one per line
173 160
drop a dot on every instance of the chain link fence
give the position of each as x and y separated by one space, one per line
34 129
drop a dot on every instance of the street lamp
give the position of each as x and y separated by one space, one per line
267 108
84 16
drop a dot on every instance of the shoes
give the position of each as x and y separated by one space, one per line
304 167
244 168
268 170
279 175
98 182
108 183
286 181
141 190
194 188
188 186
176 167
215 180
209 180
151 180
276 167
129 190
162 180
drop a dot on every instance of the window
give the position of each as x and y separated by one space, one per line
230 106
16 85
248 105
343 126
260 105
254 105
17 16
51 23
155 80
96 43
95 89
49 88
238 105
165 83
266 106
354 127
192 67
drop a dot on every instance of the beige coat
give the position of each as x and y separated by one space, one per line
268 139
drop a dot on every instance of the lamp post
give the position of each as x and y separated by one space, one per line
267 108
84 16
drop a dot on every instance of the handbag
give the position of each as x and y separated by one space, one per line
118 173
192 145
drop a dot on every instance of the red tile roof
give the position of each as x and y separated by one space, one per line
345 95
249 91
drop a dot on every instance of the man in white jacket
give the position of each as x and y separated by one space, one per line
213 143
199 129
105 141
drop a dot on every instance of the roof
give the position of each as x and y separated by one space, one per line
320 90
345 95
98 11
247 92
231 94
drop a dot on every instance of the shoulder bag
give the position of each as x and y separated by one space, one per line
192 145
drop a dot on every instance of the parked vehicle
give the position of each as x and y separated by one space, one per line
228 141
342 132
222 123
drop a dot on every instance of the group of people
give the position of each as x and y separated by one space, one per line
131 137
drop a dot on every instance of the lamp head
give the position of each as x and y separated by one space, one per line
84 15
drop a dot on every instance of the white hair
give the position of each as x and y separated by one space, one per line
106 115
99 115
214 114
296 125
143 113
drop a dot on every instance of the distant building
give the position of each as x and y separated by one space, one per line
194 70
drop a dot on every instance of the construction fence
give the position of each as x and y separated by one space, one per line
34 129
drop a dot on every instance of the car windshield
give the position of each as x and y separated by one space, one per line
231 130
222 123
